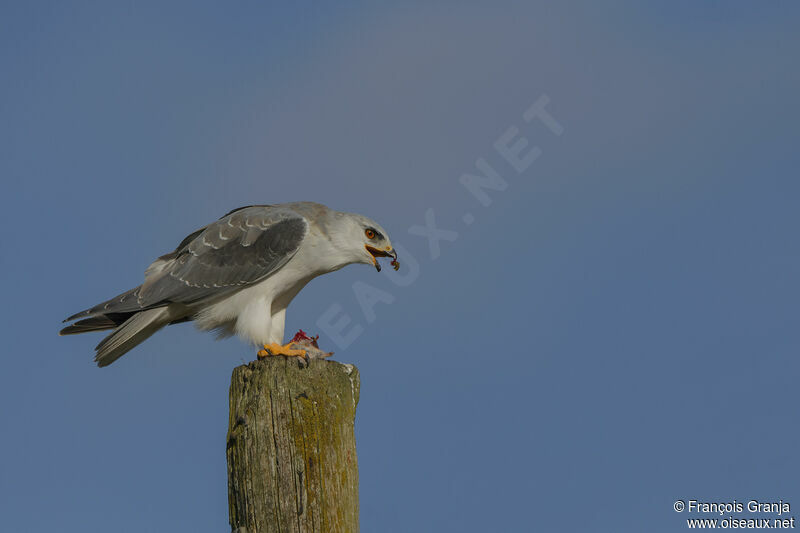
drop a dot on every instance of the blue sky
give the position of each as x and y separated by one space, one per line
615 331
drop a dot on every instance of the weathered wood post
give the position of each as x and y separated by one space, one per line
291 449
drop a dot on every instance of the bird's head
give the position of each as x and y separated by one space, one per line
368 241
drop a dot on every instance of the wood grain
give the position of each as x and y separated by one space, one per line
291 450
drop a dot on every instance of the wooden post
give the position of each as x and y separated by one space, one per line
291 449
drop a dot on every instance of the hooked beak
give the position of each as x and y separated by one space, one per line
376 253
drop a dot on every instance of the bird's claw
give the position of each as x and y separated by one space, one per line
302 346
274 348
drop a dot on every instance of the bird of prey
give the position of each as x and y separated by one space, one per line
237 276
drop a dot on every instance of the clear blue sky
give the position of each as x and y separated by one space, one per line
615 331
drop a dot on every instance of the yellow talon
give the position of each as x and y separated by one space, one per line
274 348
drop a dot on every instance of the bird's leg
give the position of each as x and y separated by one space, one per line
276 322
274 348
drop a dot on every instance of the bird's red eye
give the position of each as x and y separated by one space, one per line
370 234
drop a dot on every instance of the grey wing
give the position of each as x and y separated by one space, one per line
241 248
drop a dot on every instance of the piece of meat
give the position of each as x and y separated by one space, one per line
302 341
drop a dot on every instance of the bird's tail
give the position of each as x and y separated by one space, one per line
96 323
130 333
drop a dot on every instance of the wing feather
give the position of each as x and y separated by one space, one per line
241 248
237 250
